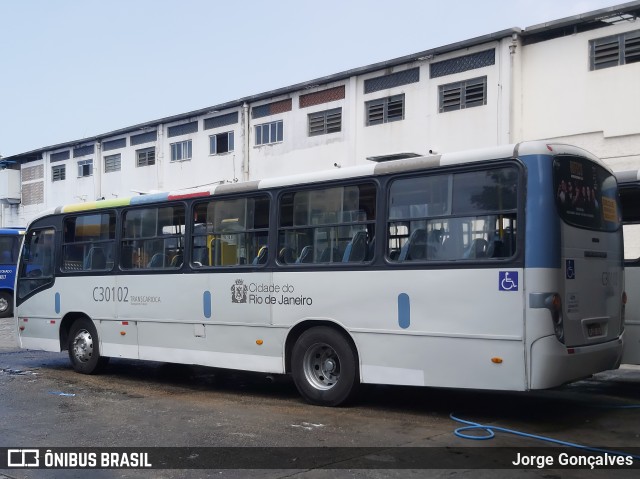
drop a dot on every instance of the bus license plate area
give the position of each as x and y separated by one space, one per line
594 330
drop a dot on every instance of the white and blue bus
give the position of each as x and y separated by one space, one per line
629 188
491 269
10 241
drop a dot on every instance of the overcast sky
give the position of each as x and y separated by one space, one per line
71 69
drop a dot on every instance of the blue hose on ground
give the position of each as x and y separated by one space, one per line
471 426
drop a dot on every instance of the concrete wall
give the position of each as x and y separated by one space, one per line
563 100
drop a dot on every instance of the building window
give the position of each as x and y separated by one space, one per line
323 122
114 144
385 110
269 133
58 173
183 129
464 94
85 168
221 120
392 80
144 138
83 151
461 64
614 50
146 157
60 156
323 96
271 108
181 151
112 163
221 143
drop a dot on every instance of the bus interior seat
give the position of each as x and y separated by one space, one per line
95 259
158 260
126 257
177 260
329 255
306 255
496 249
356 250
453 248
371 249
199 257
286 256
261 257
415 247
477 249
434 244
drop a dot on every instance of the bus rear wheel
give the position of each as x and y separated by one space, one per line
325 367
84 347
6 304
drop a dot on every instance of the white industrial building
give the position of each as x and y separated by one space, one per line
575 79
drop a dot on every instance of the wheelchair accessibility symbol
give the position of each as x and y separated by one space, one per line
508 281
571 269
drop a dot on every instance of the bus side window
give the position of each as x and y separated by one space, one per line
230 232
36 268
152 237
631 234
327 225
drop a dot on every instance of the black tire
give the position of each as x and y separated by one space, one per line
324 366
84 347
6 304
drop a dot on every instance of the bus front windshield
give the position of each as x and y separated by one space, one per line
586 194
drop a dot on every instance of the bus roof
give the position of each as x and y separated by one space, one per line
373 168
627 176
12 230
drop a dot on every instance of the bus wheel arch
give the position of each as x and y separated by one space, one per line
324 362
79 335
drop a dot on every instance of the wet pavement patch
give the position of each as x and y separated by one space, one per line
17 372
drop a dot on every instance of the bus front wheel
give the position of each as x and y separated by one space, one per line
6 302
84 347
324 367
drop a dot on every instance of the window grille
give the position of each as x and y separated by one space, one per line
324 122
58 173
146 157
614 50
112 163
385 110
464 94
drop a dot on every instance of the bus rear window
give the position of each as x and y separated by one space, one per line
586 194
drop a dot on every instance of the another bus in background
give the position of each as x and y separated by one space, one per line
10 241
629 188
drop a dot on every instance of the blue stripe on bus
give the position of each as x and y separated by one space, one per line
542 231
404 310
57 303
206 304
152 198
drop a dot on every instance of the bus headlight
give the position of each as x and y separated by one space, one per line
554 305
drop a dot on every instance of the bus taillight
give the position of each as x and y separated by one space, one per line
554 304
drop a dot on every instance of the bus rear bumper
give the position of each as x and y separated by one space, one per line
553 364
